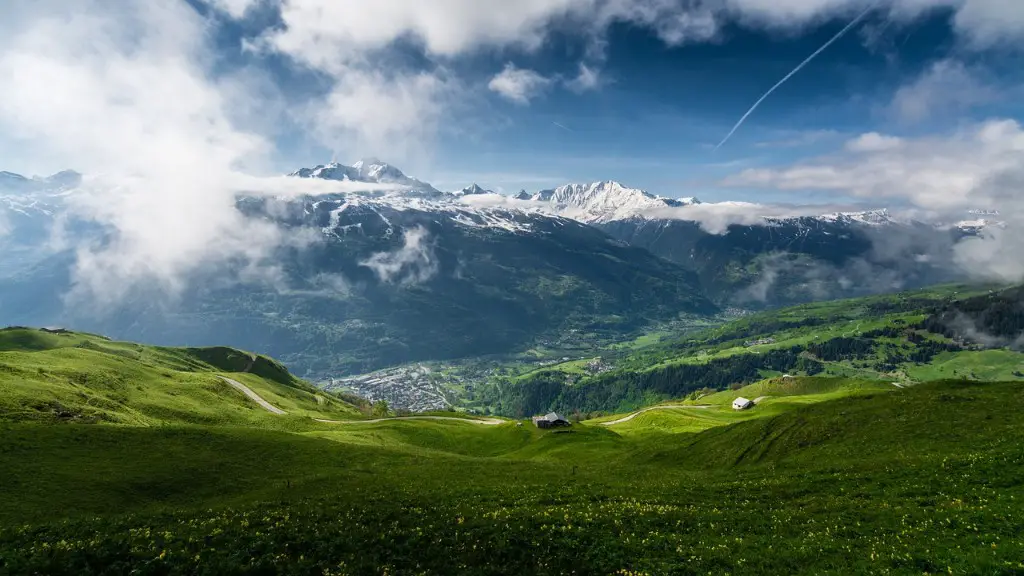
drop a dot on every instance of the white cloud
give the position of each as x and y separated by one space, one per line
589 78
413 263
119 89
980 23
873 142
716 217
121 92
517 84
370 112
350 40
945 88
987 22
978 167
234 8
941 172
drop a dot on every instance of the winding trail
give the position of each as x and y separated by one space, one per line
482 422
254 396
666 406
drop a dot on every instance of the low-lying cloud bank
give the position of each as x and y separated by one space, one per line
976 168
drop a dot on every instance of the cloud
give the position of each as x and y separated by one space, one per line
952 172
374 93
589 78
372 111
121 90
136 95
873 142
945 88
716 217
977 167
517 84
234 8
415 262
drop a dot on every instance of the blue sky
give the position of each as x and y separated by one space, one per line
665 80
658 108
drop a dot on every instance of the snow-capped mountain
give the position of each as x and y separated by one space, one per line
28 206
472 190
601 201
370 170
14 183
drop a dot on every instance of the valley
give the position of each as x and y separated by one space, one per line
385 278
888 338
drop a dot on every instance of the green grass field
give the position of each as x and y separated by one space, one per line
75 377
155 468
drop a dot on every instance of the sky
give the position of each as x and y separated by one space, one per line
530 94
172 106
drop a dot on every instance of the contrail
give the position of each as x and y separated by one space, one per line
795 70
562 127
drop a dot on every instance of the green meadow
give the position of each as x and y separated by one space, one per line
153 465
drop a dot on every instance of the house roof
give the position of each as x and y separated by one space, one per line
551 417
741 400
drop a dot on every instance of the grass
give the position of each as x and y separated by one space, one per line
79 377
975 365
840 477
184 475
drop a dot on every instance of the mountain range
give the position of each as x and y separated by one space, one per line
412 273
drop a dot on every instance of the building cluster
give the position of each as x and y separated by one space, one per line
405 388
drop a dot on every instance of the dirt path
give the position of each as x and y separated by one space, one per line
254 396
482 422
758 399
639 412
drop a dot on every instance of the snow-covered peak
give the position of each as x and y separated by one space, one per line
689 201
11 178
472 190
11 182
870 217
601 201
373 170
368 170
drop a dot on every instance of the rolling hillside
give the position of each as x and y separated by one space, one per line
60 376
906 338
823 475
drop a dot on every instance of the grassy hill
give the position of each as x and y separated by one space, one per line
910 337
826 475
65 376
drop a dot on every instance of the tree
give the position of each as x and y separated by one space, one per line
381 409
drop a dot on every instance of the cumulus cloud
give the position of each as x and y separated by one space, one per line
119 89
517 84
589 78
873 142
371 94
415 262
946 87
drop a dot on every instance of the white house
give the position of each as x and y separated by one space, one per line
742 403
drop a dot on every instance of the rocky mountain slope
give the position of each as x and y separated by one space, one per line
391 277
